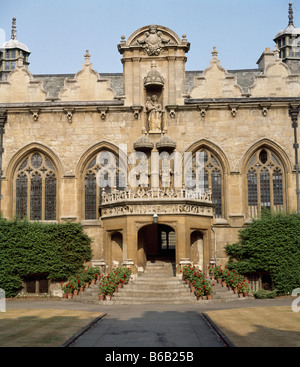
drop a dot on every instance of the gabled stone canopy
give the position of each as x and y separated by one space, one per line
87 85
215 82
21 87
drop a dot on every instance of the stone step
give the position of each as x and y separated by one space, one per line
156 285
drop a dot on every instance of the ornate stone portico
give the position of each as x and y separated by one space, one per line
128 212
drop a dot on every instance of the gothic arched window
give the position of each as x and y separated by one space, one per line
265 179
35 185
205 173
102 172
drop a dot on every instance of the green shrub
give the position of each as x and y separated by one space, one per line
28 248
262 294
270 244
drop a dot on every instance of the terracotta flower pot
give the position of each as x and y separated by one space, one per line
70 295
75 292
65 295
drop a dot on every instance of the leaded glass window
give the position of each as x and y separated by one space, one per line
103 173
205 173
265 182
36 191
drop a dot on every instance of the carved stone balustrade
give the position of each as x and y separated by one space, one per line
143 201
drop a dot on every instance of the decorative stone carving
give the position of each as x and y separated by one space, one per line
233 108
154 77
156 193
160 201
143 143
35 114
154 114
136 111
153 41
69 114
265 107
103 111
165 143
203 109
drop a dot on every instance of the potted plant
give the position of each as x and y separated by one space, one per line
208 291
218 273
75 285
199 292
68 289
245 288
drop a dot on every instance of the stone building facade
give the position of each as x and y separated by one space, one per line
156 161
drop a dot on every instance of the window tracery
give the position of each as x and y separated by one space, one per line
265 182
36 188
205 172
103 172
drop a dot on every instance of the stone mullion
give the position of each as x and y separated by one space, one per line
43 195
272 206
258 191
28 195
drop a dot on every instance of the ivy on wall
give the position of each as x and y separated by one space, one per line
270 244
28 248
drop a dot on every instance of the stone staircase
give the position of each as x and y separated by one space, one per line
157 285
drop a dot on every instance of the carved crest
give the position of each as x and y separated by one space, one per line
153 41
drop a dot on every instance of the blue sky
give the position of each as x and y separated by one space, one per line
58 32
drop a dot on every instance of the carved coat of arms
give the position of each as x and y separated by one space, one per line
153 41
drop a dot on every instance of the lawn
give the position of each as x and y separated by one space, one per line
41 327
259 327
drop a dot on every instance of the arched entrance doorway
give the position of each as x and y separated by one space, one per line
156 242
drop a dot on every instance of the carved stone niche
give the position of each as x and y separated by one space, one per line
154 84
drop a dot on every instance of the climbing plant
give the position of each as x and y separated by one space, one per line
27 248
270 244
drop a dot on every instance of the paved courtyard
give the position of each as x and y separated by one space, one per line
153 326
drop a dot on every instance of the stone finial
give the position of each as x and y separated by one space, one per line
214 54
291 16
87 57
123 39
14 29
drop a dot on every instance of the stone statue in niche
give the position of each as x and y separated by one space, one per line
153 41
154 113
